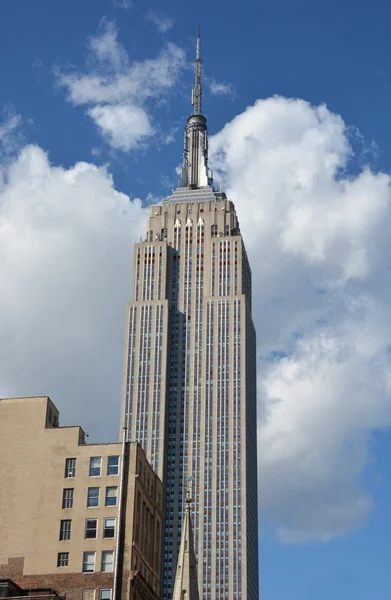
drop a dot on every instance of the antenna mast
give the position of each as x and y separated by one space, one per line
197 90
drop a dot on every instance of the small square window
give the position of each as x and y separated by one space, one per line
95 466
65 529
70 467
107 565
109 528
67 498
93 497
88 562
91 528
62 559
88 594
112 465
104 594
111 496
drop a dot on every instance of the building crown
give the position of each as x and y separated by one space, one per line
195 172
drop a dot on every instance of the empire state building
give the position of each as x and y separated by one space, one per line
189 391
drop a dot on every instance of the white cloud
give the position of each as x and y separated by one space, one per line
10 133
122 126
318 243
161 21
65 275
9 126
115 88
219 88
317 239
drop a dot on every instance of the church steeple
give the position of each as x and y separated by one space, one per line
186 585
195 172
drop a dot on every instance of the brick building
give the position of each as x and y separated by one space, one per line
83 519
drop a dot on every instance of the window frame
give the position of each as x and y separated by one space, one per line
105 528
66 500
90 529
111 466
91 467
89 553
105 590
70 468
65 532
111 487
88 497
104 562
65 557
83 595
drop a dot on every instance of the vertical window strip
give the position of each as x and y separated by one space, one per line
130 370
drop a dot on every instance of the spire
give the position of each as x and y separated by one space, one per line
195 172
197 89
186 585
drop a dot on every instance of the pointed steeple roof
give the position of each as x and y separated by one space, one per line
186 585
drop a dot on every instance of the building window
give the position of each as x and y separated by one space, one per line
104 594
111 496
95 466
88 594
67 498
70 467
93 497
62 559
65 529
91 528
112 465
107 565
109 528
88 562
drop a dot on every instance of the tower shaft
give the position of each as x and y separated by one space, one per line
189 392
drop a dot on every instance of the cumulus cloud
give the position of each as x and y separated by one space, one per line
123 126
317 239
162 22
117 91
66 244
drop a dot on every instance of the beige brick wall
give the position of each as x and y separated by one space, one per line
32 469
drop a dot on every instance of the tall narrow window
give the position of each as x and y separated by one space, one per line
91 528
62 559
107 565
65 529
112 465
95 466
111 496
93 497
88 562
109 528
70 467
67 498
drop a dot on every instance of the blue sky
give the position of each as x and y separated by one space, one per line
315 215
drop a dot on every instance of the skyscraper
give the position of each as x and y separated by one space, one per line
189 393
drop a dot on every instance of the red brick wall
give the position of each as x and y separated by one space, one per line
71 584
